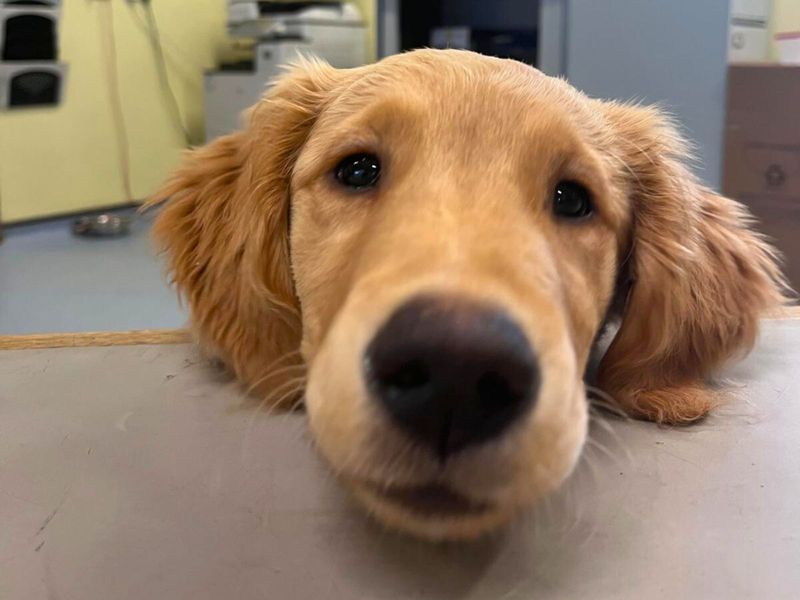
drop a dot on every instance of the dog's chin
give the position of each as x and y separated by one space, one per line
433 512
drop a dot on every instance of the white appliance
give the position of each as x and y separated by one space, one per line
748 38
333 31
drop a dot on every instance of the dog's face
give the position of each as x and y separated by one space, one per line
454 243
443 236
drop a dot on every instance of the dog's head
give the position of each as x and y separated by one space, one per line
443 235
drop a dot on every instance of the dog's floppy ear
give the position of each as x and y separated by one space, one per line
224 228
700 276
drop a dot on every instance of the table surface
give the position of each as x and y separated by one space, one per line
140 472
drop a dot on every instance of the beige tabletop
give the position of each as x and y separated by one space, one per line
138 472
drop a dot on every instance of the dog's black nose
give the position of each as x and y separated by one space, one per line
452 373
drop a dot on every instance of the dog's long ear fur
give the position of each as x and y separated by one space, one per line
700 277
224 229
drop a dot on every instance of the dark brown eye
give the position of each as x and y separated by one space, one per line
358 171
572 201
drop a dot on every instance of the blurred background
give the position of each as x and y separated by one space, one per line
99 98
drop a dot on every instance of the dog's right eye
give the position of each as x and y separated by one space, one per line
572 201
358 171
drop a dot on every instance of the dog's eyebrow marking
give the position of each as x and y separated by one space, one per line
380 113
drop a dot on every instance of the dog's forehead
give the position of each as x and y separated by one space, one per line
447 68
453 83
454 93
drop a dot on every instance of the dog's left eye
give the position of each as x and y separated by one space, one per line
572 201
358 171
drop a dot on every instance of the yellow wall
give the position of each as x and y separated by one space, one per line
785 17
66 159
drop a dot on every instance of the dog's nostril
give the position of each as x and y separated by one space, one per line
408 376
493 389
451 373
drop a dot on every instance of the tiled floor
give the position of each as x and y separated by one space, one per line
52 281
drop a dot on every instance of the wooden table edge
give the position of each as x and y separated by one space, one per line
787 312
95 338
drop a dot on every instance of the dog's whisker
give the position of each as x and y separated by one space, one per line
271 369
598 402
278 395
582 484
602 422
290 411
598 396
601 399
277 403
573 506
294 407
543 517
398 459
611 408
586 478
290 386
285 356
274 373
593 444
608 429
593 484
269 398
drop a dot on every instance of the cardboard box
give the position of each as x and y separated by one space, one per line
762 152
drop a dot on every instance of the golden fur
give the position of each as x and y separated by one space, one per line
273 257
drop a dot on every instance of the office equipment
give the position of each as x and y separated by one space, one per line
280 32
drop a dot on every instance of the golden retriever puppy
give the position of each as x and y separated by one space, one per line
440 239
